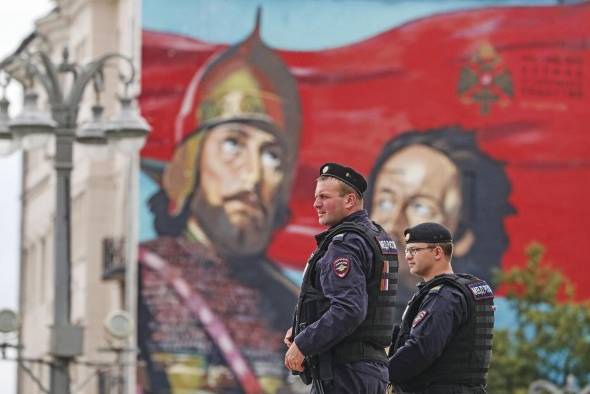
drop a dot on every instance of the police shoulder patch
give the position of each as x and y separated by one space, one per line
419 318
481 290
341 266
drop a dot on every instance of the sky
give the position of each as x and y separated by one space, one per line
17 22
299 25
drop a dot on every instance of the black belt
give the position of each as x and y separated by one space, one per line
358 351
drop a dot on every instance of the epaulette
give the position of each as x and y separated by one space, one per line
435 289
338 237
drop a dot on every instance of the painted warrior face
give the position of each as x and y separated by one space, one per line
241 172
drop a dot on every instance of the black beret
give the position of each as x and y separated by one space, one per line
346 175
428 232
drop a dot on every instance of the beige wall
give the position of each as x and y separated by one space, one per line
100 207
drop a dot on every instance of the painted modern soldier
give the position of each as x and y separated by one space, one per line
444 344
345 307
212 306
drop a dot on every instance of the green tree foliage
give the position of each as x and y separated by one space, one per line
551 335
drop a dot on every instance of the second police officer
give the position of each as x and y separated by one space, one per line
445 341
344 315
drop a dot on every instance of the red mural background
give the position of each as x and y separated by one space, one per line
517 77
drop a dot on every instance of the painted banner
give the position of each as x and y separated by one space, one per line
472 115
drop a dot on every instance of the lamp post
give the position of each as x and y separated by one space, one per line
30 129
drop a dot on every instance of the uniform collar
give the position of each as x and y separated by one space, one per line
422 284
356 217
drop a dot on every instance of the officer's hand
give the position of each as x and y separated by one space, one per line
294 358
288 340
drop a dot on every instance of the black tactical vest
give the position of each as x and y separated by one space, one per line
368 340
466 358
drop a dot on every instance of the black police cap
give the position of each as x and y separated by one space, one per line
346 175
428 232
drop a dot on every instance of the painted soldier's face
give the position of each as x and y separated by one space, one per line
329 202
415 185
241 172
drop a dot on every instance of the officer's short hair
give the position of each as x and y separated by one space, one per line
347 189
447 248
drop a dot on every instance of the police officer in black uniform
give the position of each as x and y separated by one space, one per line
444 344
344 315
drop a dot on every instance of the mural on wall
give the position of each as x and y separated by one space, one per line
213 308
473 114
442 176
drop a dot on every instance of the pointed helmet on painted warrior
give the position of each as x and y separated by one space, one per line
247 83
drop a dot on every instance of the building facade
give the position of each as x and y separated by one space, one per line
101 203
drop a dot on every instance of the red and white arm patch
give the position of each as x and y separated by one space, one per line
341 266
419 318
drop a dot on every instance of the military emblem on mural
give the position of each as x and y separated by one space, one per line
485 80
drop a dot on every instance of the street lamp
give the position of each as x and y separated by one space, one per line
33 127
8 143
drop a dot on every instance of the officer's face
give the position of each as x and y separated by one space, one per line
417 184
421 259
329 202
241 171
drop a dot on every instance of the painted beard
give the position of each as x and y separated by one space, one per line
248 236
